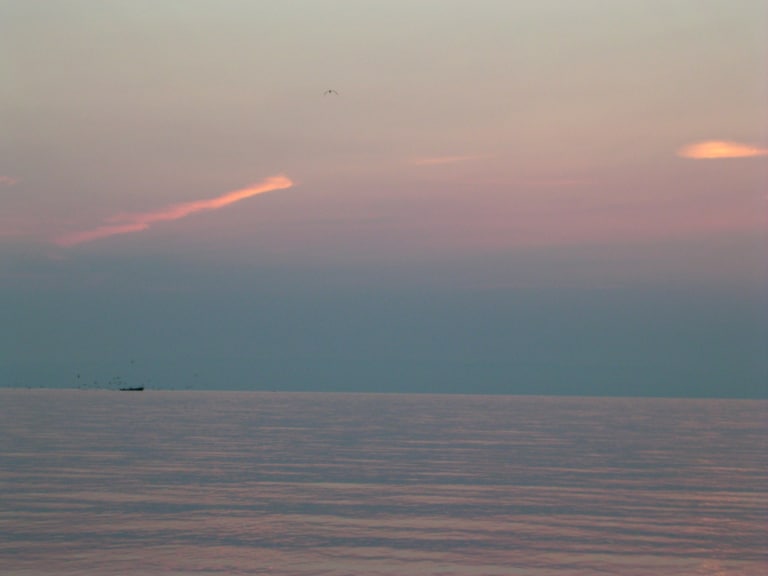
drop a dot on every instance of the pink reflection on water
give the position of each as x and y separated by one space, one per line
189 483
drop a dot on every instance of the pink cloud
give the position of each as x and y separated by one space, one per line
438 160
128 223
7 181
556 182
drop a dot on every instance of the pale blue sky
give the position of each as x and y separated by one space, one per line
495 200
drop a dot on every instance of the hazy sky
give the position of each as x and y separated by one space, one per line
535 196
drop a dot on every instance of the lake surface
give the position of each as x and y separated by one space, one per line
214 483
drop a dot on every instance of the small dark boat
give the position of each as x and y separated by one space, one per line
132 389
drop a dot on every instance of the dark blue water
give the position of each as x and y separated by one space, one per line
188 483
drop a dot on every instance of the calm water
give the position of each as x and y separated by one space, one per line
187 483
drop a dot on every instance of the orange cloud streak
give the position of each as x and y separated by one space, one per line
127 223
712 149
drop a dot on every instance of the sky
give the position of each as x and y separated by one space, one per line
531 197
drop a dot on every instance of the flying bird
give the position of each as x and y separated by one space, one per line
329 92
